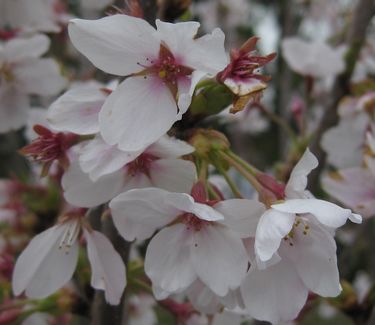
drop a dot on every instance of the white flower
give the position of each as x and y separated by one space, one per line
103 171
315 59
294 250
48 262
23 72
204 242
163 66
26 15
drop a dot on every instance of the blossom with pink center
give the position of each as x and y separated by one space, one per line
49 260
163 67
294 251
24 73
103 171
178 254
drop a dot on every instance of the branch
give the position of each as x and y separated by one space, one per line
362 16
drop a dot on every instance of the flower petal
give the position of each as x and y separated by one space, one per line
98 158
327 213
167 261
137 113
275 294
42 268
117 44
227 263
139 213
169 147
175 175
314 256
273 226
241 216
298 178
39 77
107 267
77 110
81 191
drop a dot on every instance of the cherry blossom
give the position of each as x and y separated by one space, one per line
315 59
23 72
294 250
103 171
177 254
48 262
163 66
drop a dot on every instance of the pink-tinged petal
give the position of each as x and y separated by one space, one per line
98 158
207 54
117 44
185 202
19 49
137 113
314 257
39 77
42 268
167 261
13 109
138 180
276 294
139 213
353 187
227 264
273 226
107 267
77 110
81 191
298 178
169 147
174 175
241 216
327 213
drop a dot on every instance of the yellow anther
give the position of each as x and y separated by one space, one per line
162 74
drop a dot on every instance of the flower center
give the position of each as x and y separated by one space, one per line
192 222
299 225
141 165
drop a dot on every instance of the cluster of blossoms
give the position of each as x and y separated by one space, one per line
111 146
127 169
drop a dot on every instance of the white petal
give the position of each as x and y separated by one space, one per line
98 158
186 89
175 175
242 216
77 110
14 106
186 203
81 191
138 180
298 178
297 53
24 48
227 263
314 256
167 261
276 294
107 267
272 228
177 36
207 53
42 268
137 113
118 44
39 77
138 213
327 213
355 188
169 147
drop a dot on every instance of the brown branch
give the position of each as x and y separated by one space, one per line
362 16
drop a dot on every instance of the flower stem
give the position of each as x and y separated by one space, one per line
229 181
